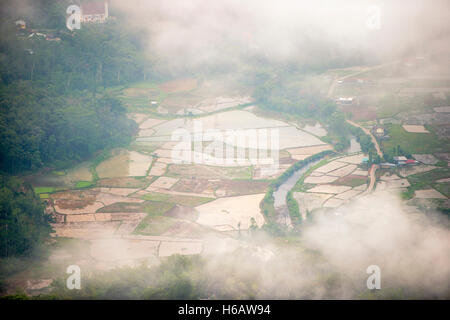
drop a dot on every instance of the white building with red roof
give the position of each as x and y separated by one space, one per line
94 12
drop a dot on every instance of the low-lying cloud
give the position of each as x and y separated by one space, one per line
203 32
411 249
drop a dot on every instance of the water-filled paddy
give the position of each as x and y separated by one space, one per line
124 163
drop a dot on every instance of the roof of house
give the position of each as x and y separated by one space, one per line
401 158
410 161
387 164
93 7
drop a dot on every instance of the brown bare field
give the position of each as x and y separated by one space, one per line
164 183
360 113
415 128
221 187
88 201
158 168
86 230
351 181
139 92
89 196
177 103
429 194
179 85
65 206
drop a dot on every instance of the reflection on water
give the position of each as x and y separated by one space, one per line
279 196
242 122
124 164
354 146
316 129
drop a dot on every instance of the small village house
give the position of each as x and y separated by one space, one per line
379 132
400 160
94 12
346 101
20 24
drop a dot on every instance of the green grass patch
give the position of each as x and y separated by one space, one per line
83 184
429 177
44 196
156 208
426 180
443 188
154 226
39 190
155 223
413 142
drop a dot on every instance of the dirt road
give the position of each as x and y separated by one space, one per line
373 178
333 84
367 131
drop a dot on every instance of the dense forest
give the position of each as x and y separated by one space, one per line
53 103
23 222
54 108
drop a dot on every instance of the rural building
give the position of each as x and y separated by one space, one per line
401 160
411 162
379 132
94 12
20 24
346 101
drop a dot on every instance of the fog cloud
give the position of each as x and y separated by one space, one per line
411 249
196 32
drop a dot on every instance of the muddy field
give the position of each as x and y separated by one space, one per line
179 85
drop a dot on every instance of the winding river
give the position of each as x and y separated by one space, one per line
280 194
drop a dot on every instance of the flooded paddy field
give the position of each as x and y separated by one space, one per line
141 205
331 184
